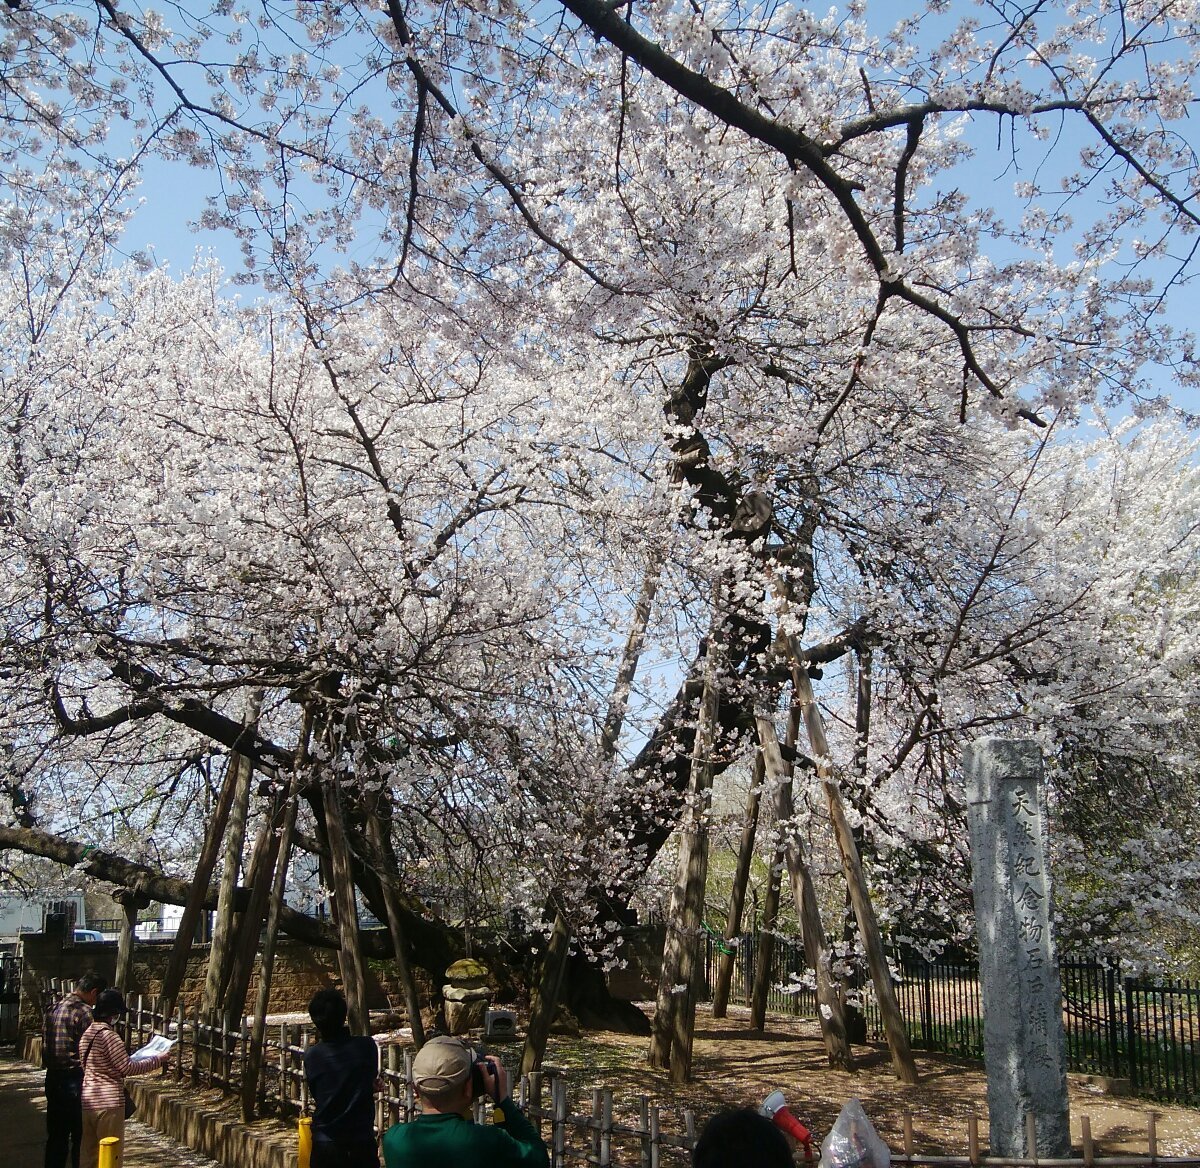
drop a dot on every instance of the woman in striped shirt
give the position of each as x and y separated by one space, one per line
106 1064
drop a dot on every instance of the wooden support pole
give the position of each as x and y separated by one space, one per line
221 949
205 866
389 879
737 894
131 902
831 1006
903 1065
545 995
350 959
252 1066
764 949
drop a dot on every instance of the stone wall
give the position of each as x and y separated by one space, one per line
300 970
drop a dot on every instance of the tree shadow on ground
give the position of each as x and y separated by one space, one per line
736 1066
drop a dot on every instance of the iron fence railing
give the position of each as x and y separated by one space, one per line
1142 1030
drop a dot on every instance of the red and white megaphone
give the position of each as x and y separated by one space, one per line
775 1108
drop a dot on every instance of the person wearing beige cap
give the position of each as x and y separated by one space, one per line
448 1075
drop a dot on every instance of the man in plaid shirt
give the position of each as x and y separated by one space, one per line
64 1024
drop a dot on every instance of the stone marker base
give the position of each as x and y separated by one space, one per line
1104 1085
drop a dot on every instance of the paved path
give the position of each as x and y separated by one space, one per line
23 1126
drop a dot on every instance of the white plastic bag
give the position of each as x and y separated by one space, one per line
853 1141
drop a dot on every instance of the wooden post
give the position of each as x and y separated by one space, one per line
131 902
350 959
831 1007
285 1081
389 878
252 1067
221 949
534 1078
764 949
261 879
1089 1152
558 1132
410 1100
903 1065
594 1127
546 994
205 865
737 894
606 1127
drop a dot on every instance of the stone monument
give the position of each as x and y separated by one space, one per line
1024 1047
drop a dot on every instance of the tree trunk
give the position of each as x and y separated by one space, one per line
389 878
830 1006
215 833
903 1065
682 966
737 894
220 952
350 960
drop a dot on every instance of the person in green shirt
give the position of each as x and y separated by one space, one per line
443 1134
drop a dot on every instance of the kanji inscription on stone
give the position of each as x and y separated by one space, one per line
1024 1048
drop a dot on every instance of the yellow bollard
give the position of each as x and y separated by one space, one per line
108 1151
305 1137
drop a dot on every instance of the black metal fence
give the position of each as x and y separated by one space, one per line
1142 1030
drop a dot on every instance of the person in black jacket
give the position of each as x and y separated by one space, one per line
733 1138
342 1071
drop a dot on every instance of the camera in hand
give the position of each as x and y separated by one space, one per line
478 1084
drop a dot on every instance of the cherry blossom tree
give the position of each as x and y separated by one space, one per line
570 299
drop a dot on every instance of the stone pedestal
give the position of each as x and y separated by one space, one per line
467 995
1024 1048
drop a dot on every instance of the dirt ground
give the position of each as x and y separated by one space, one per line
735 1066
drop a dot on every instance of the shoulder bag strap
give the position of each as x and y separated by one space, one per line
82 1056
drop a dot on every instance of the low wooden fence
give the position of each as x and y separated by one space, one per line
608 1132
